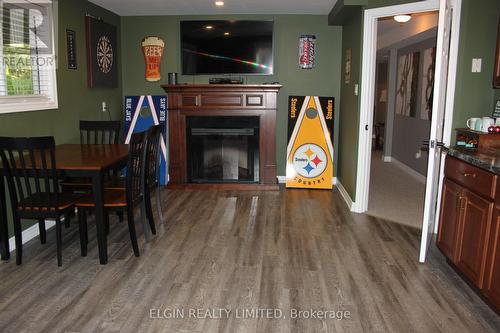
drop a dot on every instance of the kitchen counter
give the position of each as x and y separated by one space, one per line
485 158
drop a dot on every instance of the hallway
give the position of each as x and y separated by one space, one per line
395 195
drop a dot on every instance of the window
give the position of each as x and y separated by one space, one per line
27 53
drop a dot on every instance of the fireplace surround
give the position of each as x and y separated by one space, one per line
187 102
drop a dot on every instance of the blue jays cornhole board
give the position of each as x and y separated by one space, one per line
310 145
142 112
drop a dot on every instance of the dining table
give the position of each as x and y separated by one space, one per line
77 160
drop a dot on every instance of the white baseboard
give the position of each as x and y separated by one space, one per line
345 195
30 233
387 158
416 175
282 180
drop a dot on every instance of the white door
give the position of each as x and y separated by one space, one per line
446 17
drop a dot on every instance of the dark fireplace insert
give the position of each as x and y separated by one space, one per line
222 149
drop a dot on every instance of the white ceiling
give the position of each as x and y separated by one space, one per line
207 7
390 32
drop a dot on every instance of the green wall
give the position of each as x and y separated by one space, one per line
474 94
323 80
76 101
349 106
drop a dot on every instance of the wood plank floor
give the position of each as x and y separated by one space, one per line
292 249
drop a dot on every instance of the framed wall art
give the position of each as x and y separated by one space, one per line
407 84
71 49
347 66
102 57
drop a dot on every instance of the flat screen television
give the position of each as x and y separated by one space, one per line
227 47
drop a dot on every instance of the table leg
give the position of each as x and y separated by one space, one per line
4 229
102 242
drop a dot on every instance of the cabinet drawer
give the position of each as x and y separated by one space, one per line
474 178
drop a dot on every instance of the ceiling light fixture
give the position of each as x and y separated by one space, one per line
208 27
219 3
402 18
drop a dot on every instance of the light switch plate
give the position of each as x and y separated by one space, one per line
356 89
476 65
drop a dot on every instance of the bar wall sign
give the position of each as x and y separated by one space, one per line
310 148
71 48
142 112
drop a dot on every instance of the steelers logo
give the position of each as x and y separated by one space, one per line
104 54
309 160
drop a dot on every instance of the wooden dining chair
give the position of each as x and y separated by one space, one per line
120 199
152 174
92 132
30 169
100 132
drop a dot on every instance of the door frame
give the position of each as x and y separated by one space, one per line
370 20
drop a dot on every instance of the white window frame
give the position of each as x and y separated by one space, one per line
11 104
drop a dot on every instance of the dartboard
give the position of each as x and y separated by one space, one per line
104 54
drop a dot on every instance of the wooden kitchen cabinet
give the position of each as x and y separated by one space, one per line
449 219
469 226
491 286
472 237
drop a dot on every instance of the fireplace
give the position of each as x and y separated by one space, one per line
222 136
222 149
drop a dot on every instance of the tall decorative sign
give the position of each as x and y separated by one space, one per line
142 112
152 48
310 147
307 51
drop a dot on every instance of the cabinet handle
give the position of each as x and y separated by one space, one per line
462 202
465 174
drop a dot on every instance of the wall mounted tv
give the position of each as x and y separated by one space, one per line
227 47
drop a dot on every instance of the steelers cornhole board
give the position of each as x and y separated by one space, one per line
310 148
142 112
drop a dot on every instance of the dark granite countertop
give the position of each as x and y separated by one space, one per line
485 158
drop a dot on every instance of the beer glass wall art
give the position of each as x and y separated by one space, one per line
102 57
152 49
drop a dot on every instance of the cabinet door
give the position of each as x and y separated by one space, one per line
472 239
492 272
449 219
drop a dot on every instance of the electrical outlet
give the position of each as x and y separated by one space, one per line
104 107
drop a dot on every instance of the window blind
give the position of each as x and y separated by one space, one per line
27 69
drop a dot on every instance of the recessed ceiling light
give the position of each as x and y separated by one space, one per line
219 3
208 27
226 34
402 18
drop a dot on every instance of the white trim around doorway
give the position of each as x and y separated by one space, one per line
371 16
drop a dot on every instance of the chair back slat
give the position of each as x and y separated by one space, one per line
152 157
100 132
135 167
14 172
37 180
31 172
23 172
